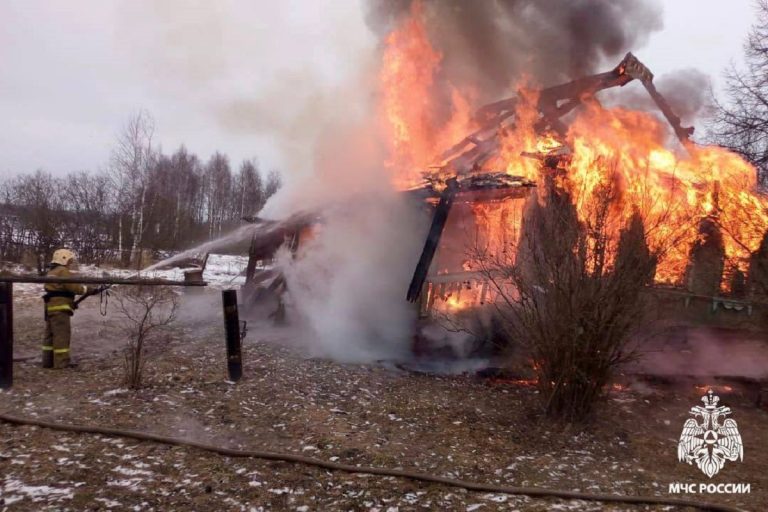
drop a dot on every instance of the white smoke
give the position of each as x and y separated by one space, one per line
706 352
348 283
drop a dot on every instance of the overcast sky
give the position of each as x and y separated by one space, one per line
72 72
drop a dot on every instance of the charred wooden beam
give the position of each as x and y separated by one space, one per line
572 94
481 187
433 239
493 115
683 132
474 138
273 234
571 91
472 158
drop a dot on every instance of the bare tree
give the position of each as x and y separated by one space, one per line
85 225
39 207
132 160
741 124
250 189
274 182
145 312
218 188
187 179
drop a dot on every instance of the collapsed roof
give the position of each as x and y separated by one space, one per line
460 175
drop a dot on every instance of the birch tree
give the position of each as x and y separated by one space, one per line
131 163
250 189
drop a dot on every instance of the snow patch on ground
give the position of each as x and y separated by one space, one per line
130 483
131 472
15 490
108 503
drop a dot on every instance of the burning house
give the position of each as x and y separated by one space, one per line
494 197
697 202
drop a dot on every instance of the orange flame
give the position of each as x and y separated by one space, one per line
718 388
522 138
673 191
417 127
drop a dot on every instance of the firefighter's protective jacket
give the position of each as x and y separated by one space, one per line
60 297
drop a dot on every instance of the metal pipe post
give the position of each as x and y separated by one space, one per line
232 328
6 335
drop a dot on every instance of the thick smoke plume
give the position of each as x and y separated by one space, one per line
347 285
490 45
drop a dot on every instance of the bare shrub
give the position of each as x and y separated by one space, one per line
145 312
572 297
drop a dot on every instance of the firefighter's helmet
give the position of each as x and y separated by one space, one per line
62 257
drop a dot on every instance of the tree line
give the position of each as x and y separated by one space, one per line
145 201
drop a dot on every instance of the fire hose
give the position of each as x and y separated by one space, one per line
102 292
534 492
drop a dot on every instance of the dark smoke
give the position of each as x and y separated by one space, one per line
491 44
688 91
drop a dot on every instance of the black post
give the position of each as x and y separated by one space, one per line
232 328
192 277
433 239
6 335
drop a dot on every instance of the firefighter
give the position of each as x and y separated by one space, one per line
59 307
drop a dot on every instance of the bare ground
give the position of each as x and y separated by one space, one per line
461 427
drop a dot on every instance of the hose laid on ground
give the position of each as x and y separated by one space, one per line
536 492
